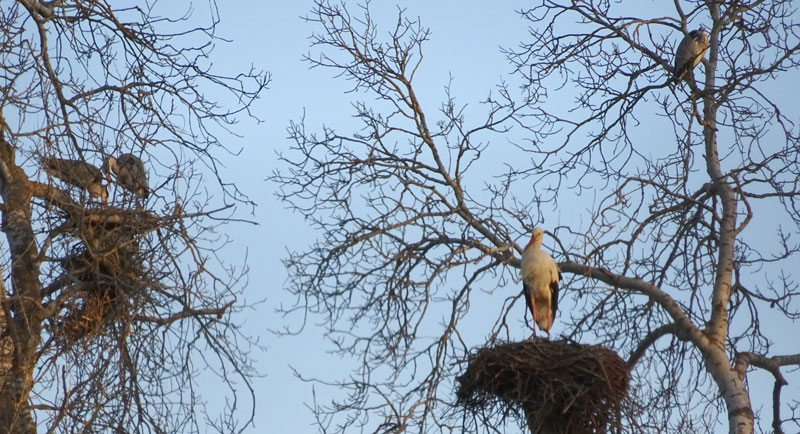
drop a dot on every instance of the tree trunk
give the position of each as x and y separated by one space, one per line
22 313
735 394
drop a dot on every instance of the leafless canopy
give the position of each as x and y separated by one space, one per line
111 311
681 251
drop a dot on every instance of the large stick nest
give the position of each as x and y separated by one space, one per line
557 386
104 269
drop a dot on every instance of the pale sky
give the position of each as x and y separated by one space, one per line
465 42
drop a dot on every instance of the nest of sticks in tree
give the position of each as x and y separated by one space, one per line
557 386
104 269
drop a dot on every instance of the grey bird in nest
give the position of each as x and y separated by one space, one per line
77 173
130 173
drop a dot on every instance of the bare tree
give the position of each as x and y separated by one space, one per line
684 256
112 306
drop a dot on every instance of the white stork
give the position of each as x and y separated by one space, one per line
78 173
540 276
130 173
689 53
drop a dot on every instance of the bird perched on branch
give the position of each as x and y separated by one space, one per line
540 276
78 173
130 173
689 53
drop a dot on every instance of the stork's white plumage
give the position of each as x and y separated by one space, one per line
540 276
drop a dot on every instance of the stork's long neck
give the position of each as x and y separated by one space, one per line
535 243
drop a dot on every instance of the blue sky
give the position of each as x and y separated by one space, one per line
465 41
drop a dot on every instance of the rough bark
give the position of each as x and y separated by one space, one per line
736 396
21 334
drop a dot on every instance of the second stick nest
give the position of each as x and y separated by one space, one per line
105 269
557 386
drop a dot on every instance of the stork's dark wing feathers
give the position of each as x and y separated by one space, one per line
526 290
554 295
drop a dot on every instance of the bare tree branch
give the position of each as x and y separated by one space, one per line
113 303
673 207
